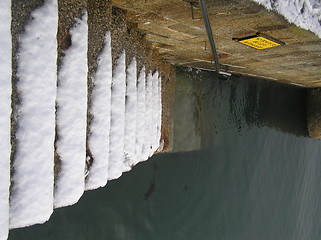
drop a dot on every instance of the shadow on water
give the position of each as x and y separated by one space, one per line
151 188
257 102
270 104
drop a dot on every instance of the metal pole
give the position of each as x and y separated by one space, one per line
209 33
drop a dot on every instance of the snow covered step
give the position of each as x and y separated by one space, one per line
117 125
72 118
135 118
5 111
155 114
159 113
141 112
122 131
100 125
52 115
31 199
130 116
147 147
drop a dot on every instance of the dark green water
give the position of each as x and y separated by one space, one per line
256 176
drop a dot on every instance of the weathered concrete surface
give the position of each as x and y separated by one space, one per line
182 40
314 112
186 112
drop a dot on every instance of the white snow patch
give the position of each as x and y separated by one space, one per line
303 13
148 141
31 199
130 116
100 126
140 122
155 112
160 112
72 117
117 127
5 112
152 116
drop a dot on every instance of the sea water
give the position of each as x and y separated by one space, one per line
249 172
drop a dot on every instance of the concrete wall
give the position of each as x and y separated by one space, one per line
314 112
182 40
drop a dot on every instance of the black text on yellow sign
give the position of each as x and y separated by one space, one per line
259 43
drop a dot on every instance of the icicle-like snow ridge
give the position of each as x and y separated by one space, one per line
57 152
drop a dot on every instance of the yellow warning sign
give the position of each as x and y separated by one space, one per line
259 42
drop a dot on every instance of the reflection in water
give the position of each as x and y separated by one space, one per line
274 105
151 188
248 180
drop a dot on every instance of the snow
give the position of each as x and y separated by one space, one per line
31 199
130 116
160 111
125 128
100 126
148 140
303 13
117 127
5 112
72 117
141 109
155 113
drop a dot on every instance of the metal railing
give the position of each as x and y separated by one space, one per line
211 38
